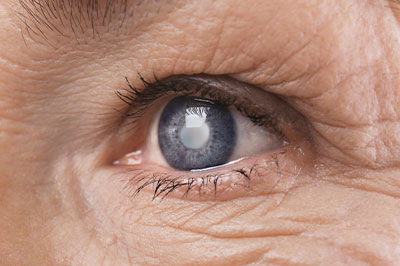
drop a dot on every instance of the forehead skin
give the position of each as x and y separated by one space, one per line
335 62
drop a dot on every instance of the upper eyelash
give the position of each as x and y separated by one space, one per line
140 100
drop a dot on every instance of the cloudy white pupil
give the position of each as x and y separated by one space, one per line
196 132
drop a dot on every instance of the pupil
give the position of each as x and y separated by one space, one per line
195 133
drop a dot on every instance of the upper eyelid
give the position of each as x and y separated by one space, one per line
224 90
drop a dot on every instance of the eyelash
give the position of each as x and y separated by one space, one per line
139 101
164 185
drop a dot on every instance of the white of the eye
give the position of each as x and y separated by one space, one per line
253 139
196 132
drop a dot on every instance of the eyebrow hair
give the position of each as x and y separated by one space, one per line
39 17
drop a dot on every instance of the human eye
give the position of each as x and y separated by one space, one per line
207 137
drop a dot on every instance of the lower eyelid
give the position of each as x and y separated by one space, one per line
265 174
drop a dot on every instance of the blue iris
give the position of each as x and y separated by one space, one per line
196 133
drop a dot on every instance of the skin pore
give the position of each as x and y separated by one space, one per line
333 63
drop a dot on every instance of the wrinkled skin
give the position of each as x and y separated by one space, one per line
335 62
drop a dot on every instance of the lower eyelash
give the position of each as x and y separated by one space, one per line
163 185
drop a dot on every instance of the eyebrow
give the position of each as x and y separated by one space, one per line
39 17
